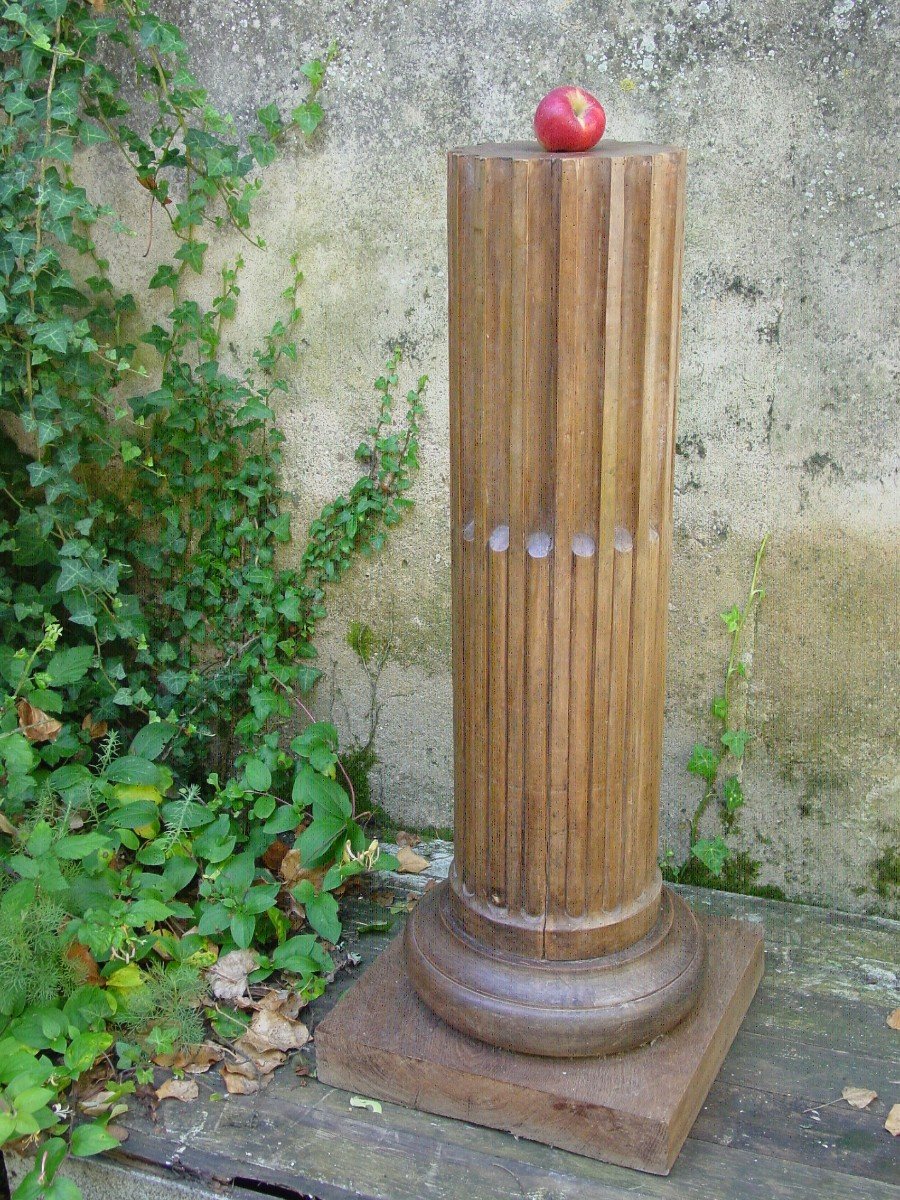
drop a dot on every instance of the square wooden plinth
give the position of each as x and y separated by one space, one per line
634 1109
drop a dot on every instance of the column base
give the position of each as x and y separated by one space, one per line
634 1109
557 1008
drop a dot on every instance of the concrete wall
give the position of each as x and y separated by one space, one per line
787 420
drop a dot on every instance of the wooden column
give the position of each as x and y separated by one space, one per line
554 934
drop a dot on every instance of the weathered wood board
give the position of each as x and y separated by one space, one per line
769 1130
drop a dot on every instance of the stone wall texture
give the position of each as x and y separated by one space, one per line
787 421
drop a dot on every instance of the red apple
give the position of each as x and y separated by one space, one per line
569 118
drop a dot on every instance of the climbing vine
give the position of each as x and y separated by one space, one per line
159 814
707 762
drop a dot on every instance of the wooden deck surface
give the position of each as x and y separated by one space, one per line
770 1128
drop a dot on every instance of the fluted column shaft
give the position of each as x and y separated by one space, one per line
565 280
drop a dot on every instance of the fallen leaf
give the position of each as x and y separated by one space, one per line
270 1031
894 1019
858 1097
178 1089
365 1102
292 872
241 1079
37 725
119 1132
227 978
383 897
195 1061
407 839
97 1103
410 863
85 962
273 857
281 1000
892 1124
94 729
7 827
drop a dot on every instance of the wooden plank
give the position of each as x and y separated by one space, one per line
803 1039
313 1142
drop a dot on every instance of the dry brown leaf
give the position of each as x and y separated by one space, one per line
410 863
892 1124
292 872
85 962
858 1097
94 729
37 725
119 1132
241 1079
195 1061
227 978
281 1000
7 827
894 1019
407 839
383 897
275 1031
273 856
178 1089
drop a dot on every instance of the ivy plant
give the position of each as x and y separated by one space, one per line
155 640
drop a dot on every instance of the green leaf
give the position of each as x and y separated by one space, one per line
54 335
318 838
703 762
736 741
257 776
719 708
314 72
270 119
732 794
74 847
712 852
132 769
84 1050
68 666
91 1139
308 116
192 253
150 741
732 618
322 914
243 926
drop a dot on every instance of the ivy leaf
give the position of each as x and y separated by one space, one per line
314 72
270 119
703 762
54 335
308 116
736 741
192 253
732 618
712 852
732 793
719 708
